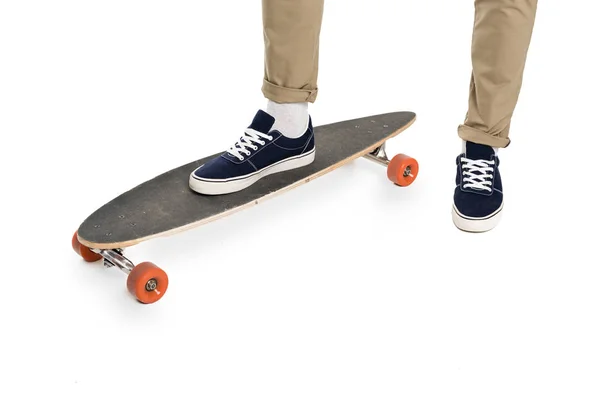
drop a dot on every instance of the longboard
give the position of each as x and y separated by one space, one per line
165 205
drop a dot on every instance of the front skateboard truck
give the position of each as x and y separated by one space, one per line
402 170
145 281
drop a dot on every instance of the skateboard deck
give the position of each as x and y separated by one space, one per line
165 205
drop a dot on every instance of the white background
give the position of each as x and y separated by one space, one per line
346 288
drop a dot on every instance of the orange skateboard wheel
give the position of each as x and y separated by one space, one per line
403 170
84 251
147 282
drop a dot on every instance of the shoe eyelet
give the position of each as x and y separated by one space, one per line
270 137
261 143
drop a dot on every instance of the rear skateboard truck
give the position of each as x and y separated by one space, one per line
145 281
402 170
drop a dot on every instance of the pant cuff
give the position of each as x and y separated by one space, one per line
280 94
476 136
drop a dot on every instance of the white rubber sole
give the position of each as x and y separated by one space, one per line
226 186
476 225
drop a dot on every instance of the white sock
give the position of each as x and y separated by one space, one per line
291 119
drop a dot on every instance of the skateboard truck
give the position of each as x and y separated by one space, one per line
115 258
379 156
402 170
147 282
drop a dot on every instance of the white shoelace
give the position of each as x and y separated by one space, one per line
477 174
246 142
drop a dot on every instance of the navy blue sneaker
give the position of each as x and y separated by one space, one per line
259 152
478 198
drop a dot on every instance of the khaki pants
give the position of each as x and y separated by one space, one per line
501 38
